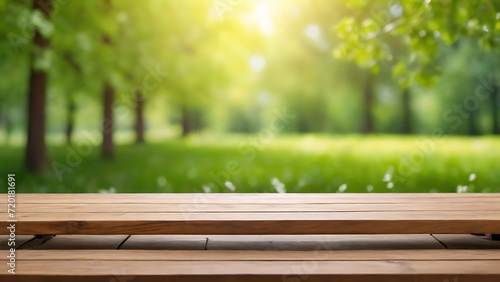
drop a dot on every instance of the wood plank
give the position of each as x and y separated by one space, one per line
254 255
216 207
195 221
199 199
259 278
255 278
282 216
321 266
449 222
168 268
256 227
323 242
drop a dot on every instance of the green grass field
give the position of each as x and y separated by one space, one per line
310 163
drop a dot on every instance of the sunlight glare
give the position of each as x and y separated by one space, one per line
257 63
312 31
263 18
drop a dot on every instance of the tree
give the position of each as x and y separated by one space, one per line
193 38
107 122
368 126
139 121
495 108
70 99
36 149
419 24
407 127
389 53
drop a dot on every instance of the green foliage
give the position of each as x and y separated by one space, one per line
310 163
204 62
421 25
179 56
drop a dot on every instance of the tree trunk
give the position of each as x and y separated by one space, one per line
494 97
407 126
8 128
473 127
187 126
108 93
3 117
36 149
139 125
7 123
70 120
368 101
107 128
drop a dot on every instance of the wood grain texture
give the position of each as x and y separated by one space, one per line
256 227
282 216
246 208
254 255
167 268
143 214
199 199
255 278
347 266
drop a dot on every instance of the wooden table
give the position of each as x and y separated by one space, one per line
256 266
249 214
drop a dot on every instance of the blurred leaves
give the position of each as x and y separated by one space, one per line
207 59
43 59
42 24
363 37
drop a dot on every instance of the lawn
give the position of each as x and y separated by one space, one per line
244 163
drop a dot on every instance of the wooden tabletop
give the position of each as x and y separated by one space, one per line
254 214
352 266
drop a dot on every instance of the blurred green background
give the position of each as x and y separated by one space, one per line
250 95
